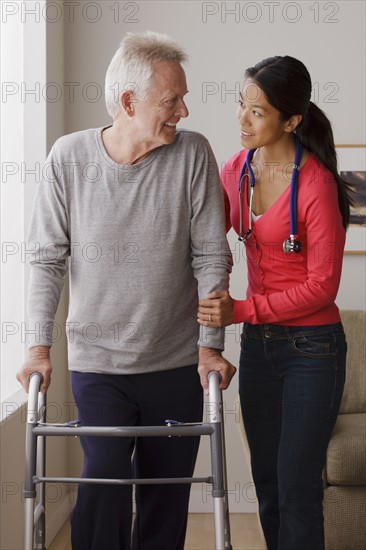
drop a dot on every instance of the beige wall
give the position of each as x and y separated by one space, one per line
330 40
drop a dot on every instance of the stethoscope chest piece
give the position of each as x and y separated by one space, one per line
292 245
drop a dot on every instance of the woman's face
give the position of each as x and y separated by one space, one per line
260 123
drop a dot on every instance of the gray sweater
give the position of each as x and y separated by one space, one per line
141 243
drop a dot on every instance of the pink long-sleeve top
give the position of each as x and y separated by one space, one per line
290 289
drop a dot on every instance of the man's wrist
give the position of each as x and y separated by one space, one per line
209 351
39 352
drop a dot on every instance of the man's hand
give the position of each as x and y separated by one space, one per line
38 361
211 359
217 310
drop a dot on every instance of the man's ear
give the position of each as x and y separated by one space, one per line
292 123
127 102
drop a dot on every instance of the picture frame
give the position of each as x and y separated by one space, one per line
352 167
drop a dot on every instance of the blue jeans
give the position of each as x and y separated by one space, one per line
291 381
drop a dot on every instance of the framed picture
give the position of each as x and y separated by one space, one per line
352 166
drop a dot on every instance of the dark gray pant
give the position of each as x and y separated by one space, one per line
102 516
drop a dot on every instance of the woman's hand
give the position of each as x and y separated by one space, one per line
217 310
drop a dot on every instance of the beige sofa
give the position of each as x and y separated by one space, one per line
345 468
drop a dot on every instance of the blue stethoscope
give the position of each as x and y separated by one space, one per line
291 244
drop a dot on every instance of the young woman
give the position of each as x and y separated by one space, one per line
291 211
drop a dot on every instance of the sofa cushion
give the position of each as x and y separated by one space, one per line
354 395
346 455
344 518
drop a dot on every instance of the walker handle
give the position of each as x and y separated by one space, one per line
214 397
35 381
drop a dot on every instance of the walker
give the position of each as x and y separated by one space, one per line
35 458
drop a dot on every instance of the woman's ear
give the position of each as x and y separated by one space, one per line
292 123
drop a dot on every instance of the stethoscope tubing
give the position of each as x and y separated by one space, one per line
247 172
293 202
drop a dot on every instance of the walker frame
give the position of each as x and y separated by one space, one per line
35 460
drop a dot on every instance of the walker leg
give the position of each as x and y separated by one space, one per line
219 493
29 524
219 510
40 535
227 531
30 461
40 523
218 460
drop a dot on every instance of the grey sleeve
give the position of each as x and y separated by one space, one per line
49 246
210 252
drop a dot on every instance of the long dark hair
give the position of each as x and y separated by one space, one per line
287 85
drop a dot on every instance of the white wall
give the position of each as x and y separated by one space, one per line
42 53
11 218
327 36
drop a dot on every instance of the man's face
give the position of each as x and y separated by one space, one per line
157 115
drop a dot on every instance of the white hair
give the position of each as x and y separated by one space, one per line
132 65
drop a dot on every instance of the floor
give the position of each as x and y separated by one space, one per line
245 534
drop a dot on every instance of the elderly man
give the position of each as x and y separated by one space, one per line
136 211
